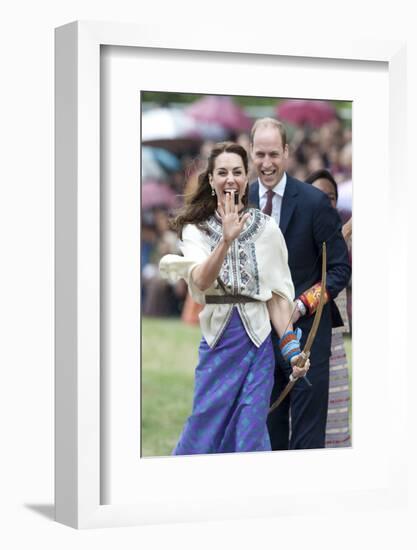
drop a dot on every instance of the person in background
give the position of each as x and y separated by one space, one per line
160 297
229 269
337 427
147 247
306 219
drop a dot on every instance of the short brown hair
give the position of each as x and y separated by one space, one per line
271 123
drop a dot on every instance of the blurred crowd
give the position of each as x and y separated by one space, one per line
172 161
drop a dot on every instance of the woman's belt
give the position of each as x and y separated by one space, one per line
230 299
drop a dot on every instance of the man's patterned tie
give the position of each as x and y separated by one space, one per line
268 207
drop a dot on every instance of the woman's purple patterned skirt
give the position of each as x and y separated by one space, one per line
233 384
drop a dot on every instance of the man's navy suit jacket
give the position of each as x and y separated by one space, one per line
307 219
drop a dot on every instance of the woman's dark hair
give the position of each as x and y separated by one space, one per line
323 174
201 204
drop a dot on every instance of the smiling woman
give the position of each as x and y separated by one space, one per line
229 177
228 269
227 169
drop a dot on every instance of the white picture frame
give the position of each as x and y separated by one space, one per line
79 410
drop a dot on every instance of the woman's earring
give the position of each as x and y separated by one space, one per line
213 192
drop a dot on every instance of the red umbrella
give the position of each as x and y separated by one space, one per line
156 194
220 110
306 112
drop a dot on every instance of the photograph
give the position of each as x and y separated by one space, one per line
246 273
205 316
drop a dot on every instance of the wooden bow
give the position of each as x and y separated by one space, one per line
302 358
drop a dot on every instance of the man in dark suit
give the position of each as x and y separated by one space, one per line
306 219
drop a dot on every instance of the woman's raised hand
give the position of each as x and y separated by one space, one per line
232 226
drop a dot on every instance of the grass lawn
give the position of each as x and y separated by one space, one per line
169 357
